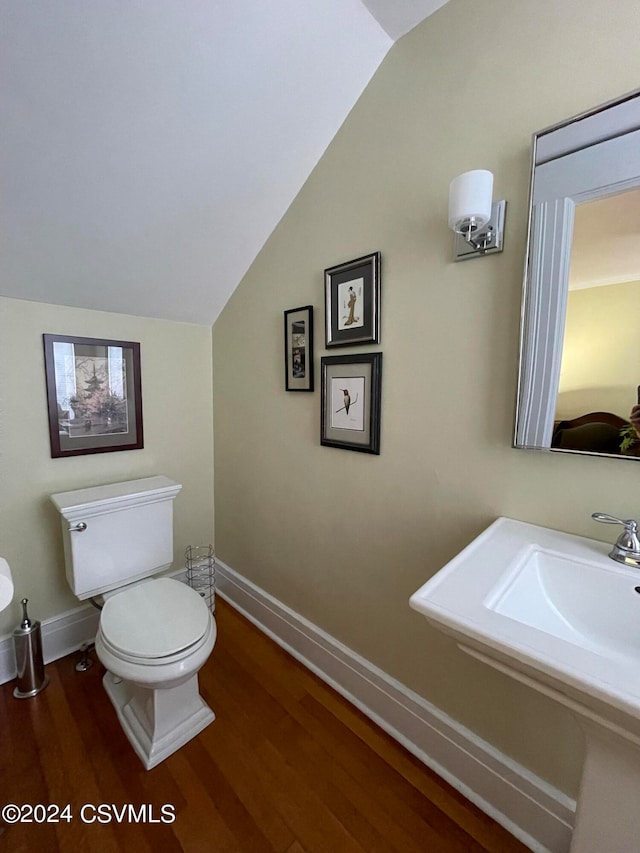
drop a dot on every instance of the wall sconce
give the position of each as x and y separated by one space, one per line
478 221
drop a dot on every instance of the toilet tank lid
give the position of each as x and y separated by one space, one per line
99 499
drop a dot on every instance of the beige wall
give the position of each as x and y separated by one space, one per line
600 355
176 390
345 538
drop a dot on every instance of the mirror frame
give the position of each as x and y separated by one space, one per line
545 287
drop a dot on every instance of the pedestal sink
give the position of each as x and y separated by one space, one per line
553 611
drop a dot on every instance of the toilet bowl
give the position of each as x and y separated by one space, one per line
153 639
155 634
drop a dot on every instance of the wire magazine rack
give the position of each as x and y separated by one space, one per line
200 563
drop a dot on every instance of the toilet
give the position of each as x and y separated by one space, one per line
155 633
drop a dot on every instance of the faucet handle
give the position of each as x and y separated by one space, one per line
627 548
630 524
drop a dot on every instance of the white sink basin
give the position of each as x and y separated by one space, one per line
552 605
593 606
556 612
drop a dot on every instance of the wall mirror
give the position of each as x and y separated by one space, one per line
579 356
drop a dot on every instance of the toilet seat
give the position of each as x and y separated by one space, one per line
182 655
155 622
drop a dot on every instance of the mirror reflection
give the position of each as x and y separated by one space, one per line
579 362
600 363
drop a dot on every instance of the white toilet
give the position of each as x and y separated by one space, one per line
154 633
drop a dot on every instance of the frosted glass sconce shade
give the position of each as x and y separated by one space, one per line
476 220
470 199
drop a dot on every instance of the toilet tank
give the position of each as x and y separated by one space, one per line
116 534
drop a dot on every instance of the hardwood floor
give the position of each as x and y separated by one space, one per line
287 766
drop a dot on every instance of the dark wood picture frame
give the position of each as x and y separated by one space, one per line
352 302
351 402
298 349
94 395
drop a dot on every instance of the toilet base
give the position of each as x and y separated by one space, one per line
157 722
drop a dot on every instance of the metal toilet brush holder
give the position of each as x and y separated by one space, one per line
200 564
27 640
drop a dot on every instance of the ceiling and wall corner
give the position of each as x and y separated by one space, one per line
150 149
396 19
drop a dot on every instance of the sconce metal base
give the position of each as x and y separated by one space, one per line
463 250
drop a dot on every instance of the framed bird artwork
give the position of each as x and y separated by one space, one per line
350 405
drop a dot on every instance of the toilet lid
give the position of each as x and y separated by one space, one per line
154 619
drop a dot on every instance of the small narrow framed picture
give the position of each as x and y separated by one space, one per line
352 302
350 410
298 349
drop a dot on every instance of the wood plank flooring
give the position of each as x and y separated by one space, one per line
287 766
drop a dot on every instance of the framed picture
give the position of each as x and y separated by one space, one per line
298 349
94 395
350 416
352 302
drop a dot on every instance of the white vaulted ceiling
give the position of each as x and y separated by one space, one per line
149 147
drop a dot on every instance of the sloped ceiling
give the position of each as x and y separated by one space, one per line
149 147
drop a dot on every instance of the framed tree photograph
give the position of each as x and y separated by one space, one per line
298 349
350 406
94 395
352 302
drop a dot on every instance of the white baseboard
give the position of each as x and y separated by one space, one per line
536 813
61 635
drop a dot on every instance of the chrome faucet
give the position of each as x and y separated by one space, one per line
627 547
